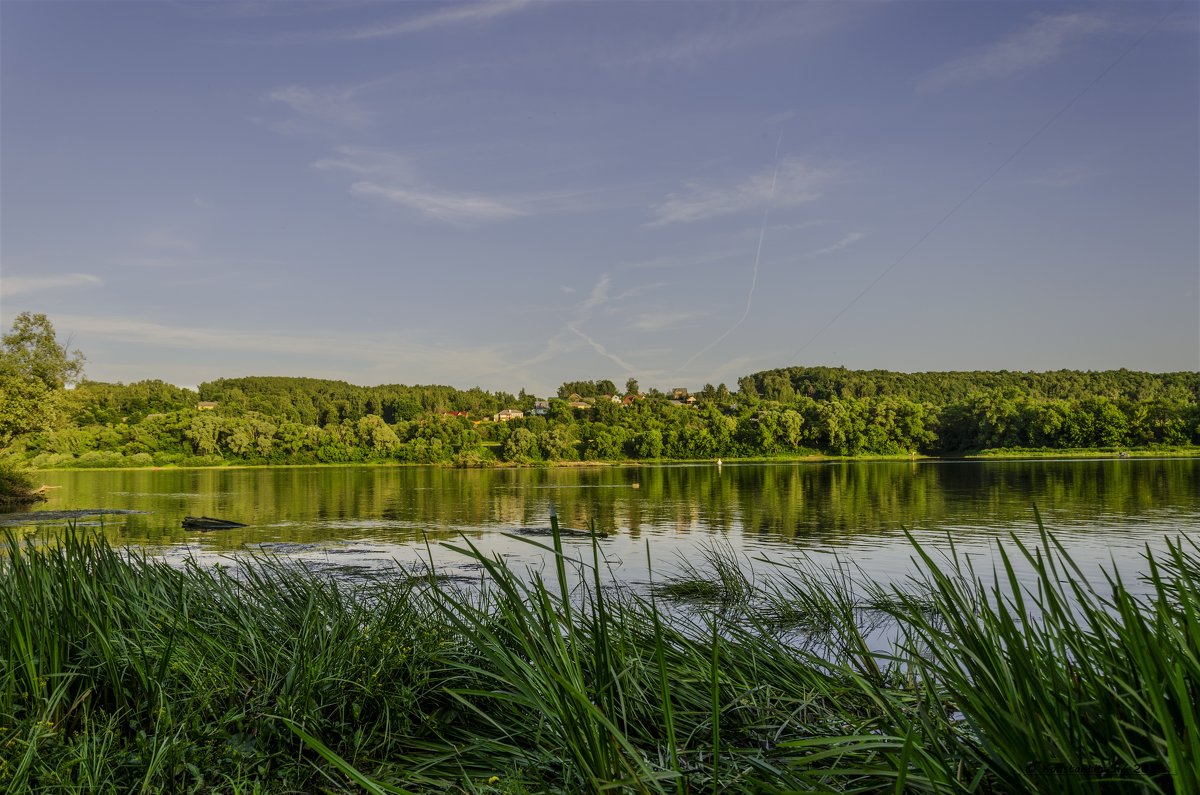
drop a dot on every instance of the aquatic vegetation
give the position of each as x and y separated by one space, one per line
121 673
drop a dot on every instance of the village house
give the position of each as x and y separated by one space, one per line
508 414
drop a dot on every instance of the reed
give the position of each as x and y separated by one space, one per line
119 673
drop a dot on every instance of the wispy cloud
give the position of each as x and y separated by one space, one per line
367 162
331 105
737 28
1040 42
381 352
848 240
20 285
472 14
388 177
599 294
796 182
442 205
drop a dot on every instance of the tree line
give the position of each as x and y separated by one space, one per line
776 413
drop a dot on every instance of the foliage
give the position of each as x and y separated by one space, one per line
31 351
34 368
16 487
588 389
781 413
942 388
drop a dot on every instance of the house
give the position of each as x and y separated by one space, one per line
206 405
679 393
579 404
540 408
509 414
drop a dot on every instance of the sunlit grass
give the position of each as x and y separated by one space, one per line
120 673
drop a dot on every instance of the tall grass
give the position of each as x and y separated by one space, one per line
119 673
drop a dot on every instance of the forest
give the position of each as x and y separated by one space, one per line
834 412
51 416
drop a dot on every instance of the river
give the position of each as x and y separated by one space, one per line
356 521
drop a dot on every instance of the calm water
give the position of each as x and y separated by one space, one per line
358 520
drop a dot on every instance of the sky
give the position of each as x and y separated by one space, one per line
514 194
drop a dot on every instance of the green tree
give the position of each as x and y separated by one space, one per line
520 446
32 351
34 368
205 433
631 386
650 444
558 444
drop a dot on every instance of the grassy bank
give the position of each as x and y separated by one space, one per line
118 463
123 674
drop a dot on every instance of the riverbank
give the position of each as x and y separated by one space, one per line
999 453
265 678
1087 452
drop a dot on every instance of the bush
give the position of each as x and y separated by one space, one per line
97 459
16 487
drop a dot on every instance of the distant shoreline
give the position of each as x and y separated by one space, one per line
1010 454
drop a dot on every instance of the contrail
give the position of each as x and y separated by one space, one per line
600 349
762 233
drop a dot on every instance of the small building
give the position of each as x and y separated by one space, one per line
679 393
509 414
540 408
579 404
206 405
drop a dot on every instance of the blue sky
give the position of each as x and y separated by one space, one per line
513 194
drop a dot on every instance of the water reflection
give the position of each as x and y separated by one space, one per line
367 517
